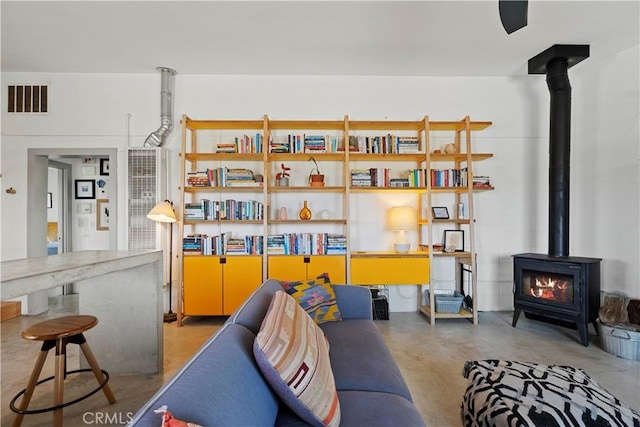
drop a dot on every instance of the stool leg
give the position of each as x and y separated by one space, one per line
58 381
31 385
93 363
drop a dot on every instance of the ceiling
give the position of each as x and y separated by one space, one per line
412 38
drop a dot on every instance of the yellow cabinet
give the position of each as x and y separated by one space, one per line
373 268
242 275
202 295
218 285
304 267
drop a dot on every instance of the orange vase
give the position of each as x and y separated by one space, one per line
305 212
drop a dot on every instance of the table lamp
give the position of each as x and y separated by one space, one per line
163 212
402 219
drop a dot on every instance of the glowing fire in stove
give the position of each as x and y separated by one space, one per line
553 289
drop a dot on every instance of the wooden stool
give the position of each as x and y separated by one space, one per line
57 333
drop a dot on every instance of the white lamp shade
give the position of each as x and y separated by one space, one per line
162 212
402 218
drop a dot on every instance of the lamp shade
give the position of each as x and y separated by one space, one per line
402 218
162 212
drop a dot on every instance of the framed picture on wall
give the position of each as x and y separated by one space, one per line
453 240
85 188
104 166
440 212
102 214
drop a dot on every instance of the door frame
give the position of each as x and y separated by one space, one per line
65 199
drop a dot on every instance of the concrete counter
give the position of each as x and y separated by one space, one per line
123 289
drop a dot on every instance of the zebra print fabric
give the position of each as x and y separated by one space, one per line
520 394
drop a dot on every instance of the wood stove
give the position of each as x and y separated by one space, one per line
559 290
556 287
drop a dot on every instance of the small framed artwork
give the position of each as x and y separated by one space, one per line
88 170
102 214
104 166
440 212
84 208
85 188
453 240
49 200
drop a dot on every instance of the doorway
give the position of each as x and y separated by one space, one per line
58 171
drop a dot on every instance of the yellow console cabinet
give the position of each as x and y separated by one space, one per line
304 267
218 285
389 268
242 275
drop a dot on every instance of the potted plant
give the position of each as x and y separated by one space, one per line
282 177
315 179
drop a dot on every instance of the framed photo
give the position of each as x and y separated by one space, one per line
85 188
453 240
84 208
49 200
102 214
440 212
88 170
104 166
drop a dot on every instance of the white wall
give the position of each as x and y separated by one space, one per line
92 111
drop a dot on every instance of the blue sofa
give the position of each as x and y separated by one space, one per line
221 385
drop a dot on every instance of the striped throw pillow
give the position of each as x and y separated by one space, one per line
292 355
316 297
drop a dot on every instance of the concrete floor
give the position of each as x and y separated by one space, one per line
431 359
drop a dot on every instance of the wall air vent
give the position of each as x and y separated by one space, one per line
28 99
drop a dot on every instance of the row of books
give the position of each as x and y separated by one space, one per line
223 177
222 244
384 144
242 144
449 177
306 244
380 177
481 181
372 177
224 210
306 144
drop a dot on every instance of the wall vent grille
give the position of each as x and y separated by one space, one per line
28 99
143 169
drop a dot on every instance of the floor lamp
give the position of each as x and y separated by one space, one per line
163 212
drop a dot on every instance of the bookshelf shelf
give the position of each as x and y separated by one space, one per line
333 189
205 189
308 221
223 157
346 147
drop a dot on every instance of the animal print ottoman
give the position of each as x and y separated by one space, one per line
519 394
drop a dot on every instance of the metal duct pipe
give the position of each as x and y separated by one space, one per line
554 62
559 156
158 138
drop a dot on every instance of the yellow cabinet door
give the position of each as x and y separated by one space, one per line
381 270
335 265
286 267
202 291
294 267
241 276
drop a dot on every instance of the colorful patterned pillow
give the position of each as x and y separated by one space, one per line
317 297
292 355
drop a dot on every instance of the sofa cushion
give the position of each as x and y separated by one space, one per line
365 408
316 297
361 360
219 386
292 354
252 311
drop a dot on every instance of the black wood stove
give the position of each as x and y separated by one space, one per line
556 287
